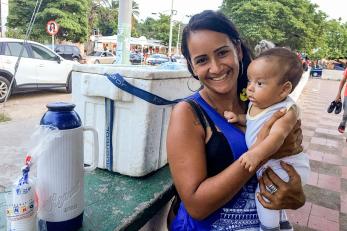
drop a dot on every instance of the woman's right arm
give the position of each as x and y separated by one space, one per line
201 195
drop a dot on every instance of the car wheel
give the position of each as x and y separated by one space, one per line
76 60
97 62
69 84
4 88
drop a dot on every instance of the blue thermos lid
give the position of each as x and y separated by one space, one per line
61 115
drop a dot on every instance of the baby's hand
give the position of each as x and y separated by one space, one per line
231 117
249 161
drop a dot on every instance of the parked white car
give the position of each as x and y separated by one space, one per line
98 57
39 67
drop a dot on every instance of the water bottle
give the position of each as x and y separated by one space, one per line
60 170
21 204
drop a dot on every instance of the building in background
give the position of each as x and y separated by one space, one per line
3 17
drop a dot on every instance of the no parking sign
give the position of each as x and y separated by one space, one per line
52 27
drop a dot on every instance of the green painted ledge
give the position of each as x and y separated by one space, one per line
117 202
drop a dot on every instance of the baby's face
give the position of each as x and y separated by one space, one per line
264 86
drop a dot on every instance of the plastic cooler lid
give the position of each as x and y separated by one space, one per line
132 71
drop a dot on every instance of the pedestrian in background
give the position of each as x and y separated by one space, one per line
342 124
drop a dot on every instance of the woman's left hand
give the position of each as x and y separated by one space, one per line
288 195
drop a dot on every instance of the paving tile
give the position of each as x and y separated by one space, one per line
343 207
308 133
305 145
343 185
301 215
343 172
313 179
323 148
329 182
323 197
315 165
317 140
325 168
317 223
325 213
343 222
315 155
332 143
344 152
332 159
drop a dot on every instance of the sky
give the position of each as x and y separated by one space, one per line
333 8
183 7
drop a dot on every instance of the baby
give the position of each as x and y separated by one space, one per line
272 76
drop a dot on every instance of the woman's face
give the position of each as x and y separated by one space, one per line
215 60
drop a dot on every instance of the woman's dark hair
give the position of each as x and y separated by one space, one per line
218 22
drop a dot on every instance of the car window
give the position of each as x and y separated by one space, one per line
59 49
103 54
42 53
13 49
68 49
95 53
76 49
109 54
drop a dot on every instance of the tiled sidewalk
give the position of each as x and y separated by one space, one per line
326 191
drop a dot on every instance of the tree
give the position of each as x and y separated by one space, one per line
105 17
159 29
293 23
71 15
335 38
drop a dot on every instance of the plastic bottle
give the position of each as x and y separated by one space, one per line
21 203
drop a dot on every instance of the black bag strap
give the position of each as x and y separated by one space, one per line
203 118
198 112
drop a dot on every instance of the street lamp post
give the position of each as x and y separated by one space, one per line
171 25
178 37
123 32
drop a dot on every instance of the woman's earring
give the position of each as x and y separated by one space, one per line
191 80
243 95
241 67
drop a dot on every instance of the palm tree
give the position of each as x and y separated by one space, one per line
135 8
134 15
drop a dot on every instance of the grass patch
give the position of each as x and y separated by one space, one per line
4 117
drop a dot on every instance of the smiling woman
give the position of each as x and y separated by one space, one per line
203 148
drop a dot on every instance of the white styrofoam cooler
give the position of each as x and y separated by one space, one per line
139 128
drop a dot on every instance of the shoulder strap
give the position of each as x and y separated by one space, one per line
201 114
198 112
235 137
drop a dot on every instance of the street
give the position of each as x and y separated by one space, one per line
25 111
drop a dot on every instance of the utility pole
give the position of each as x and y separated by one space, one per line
124 32
171 25
178 38
3 17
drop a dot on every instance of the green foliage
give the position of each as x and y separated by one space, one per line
297 24
159 29
105 18
71 15
4 117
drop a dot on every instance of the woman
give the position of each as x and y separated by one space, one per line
216 192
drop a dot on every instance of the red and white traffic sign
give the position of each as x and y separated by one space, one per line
52 27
